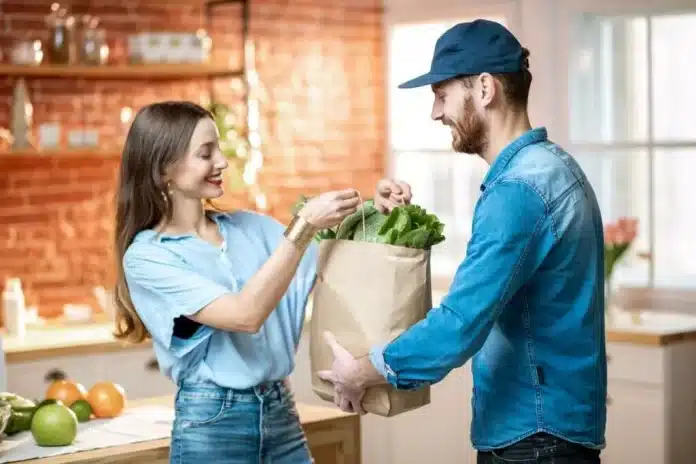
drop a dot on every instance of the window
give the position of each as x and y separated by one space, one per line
632 95
444 182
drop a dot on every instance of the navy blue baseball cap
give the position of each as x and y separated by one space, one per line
473 48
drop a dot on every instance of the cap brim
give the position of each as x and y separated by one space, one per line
426 79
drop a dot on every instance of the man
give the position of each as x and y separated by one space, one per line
527 301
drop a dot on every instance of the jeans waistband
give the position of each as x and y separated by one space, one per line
274 389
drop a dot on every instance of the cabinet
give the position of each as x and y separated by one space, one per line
651 403
335 441
132 368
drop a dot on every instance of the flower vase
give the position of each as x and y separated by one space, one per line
608 308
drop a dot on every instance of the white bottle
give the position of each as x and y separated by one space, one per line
13 308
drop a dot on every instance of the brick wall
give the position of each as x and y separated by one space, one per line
56 211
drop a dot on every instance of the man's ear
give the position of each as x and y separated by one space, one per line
486 89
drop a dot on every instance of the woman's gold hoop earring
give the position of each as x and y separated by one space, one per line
167 192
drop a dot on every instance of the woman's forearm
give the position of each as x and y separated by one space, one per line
248 309
264 290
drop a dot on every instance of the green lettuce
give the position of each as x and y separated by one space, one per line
409 226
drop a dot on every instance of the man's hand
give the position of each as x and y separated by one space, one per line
348 394
391 193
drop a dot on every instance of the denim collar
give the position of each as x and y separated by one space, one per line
530 137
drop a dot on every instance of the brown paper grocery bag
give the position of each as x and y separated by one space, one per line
368 293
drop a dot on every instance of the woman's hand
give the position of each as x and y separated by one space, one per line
391 193
329 209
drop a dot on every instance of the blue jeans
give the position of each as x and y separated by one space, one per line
255 426
540 448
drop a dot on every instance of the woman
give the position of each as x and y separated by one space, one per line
221 295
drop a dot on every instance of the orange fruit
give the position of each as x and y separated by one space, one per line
107 399
66 391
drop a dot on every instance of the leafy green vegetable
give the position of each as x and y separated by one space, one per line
409 226
373 225
327 233
398 220
389 237
347 228
416 238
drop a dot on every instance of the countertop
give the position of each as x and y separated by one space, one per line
650 326
640 326
154 450
52 340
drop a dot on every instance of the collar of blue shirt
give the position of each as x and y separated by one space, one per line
530 137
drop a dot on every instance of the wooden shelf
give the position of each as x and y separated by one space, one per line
191 2
121 72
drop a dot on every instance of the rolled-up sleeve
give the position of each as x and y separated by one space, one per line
510 237
162 288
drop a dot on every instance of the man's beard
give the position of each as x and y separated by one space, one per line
469 131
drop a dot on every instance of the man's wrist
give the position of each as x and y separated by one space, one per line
376 357
366 375
371 370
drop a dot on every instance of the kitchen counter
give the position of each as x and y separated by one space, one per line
333 437
56 339
650 327
53 340
645 326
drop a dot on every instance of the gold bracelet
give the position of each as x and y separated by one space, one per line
300 232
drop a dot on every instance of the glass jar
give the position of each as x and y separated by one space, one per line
27 52
103 46
61 41
91 43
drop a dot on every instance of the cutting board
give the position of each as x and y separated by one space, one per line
135 425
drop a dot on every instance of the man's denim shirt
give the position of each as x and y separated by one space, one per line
527 303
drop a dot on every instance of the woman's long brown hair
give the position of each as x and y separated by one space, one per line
158 137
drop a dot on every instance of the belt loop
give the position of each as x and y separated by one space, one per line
179 387
284 390
259 392
229 397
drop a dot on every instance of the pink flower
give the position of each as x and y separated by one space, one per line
621 232
631 229
610 233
